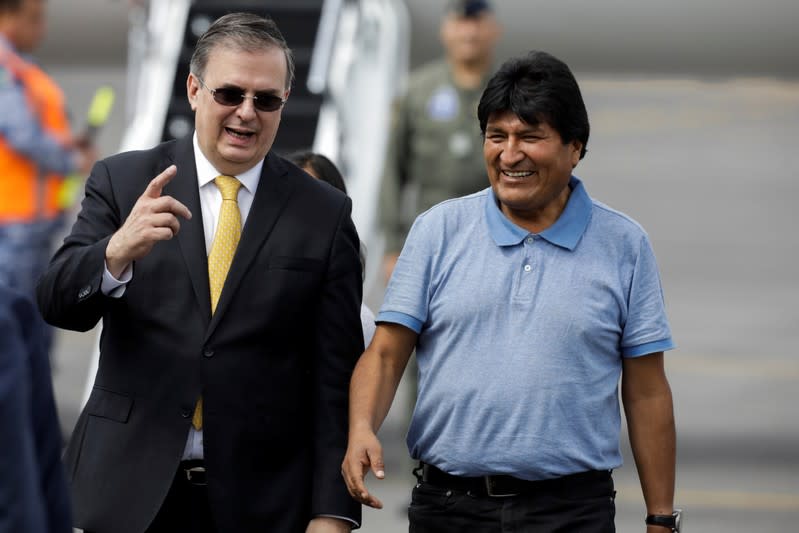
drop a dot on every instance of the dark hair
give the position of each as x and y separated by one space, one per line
245 31
323 168
538 88
10 6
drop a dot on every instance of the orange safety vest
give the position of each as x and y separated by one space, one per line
26 195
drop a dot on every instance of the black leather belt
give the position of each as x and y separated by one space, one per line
194 470
501 486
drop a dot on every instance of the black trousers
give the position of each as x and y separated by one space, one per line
185 509
587 507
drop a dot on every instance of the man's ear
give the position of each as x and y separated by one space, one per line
577 150
192 88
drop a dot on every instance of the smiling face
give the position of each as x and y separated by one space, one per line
235 138
529 169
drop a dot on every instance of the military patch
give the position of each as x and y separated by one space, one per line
443 104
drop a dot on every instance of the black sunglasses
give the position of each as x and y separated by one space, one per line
233 96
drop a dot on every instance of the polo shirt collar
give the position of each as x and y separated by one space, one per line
565 232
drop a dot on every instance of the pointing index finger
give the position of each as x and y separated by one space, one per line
157 184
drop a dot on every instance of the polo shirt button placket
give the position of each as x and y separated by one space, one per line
526 280
529 241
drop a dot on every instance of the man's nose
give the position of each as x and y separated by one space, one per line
246 109
511 153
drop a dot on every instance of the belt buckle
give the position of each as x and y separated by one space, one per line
193 470
490 484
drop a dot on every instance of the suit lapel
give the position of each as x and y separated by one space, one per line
191 236
271 196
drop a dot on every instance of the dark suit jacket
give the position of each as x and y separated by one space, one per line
33 491
273 363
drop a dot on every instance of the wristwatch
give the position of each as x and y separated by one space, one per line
672 521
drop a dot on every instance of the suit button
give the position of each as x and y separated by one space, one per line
208 352
84 292
185 412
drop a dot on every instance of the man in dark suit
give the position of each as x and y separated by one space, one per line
33 492
220 403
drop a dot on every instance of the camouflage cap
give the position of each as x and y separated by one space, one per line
468 8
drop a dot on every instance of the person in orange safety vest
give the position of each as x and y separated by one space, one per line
36 149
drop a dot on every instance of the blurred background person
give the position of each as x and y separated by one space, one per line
433 152
36 150
322 168
33 490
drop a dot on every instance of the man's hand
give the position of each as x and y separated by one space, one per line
328 524
364 452
153 218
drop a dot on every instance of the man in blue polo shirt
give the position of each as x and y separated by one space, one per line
526 303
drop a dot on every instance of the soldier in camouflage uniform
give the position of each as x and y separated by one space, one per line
435 148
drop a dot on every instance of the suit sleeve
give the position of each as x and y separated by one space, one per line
69 293
339 344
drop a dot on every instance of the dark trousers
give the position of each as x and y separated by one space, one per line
185 508
580 507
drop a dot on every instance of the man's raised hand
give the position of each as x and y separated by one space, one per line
153 218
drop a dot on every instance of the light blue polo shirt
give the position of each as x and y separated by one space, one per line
521 336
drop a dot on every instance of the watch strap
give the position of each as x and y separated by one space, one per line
665 520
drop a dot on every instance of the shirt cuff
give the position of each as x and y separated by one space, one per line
647 348
114 287
403 319
350 520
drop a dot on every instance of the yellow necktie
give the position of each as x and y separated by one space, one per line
226 239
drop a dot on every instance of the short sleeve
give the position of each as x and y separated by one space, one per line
407 297
646 329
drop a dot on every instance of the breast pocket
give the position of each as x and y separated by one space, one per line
285 287
109 404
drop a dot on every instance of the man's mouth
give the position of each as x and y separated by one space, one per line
518 173
239 134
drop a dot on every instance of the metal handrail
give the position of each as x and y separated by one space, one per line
160 62
371 69
323 46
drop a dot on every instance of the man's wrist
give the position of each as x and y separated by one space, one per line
667 521
115 265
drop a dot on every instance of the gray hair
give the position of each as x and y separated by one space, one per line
245 31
